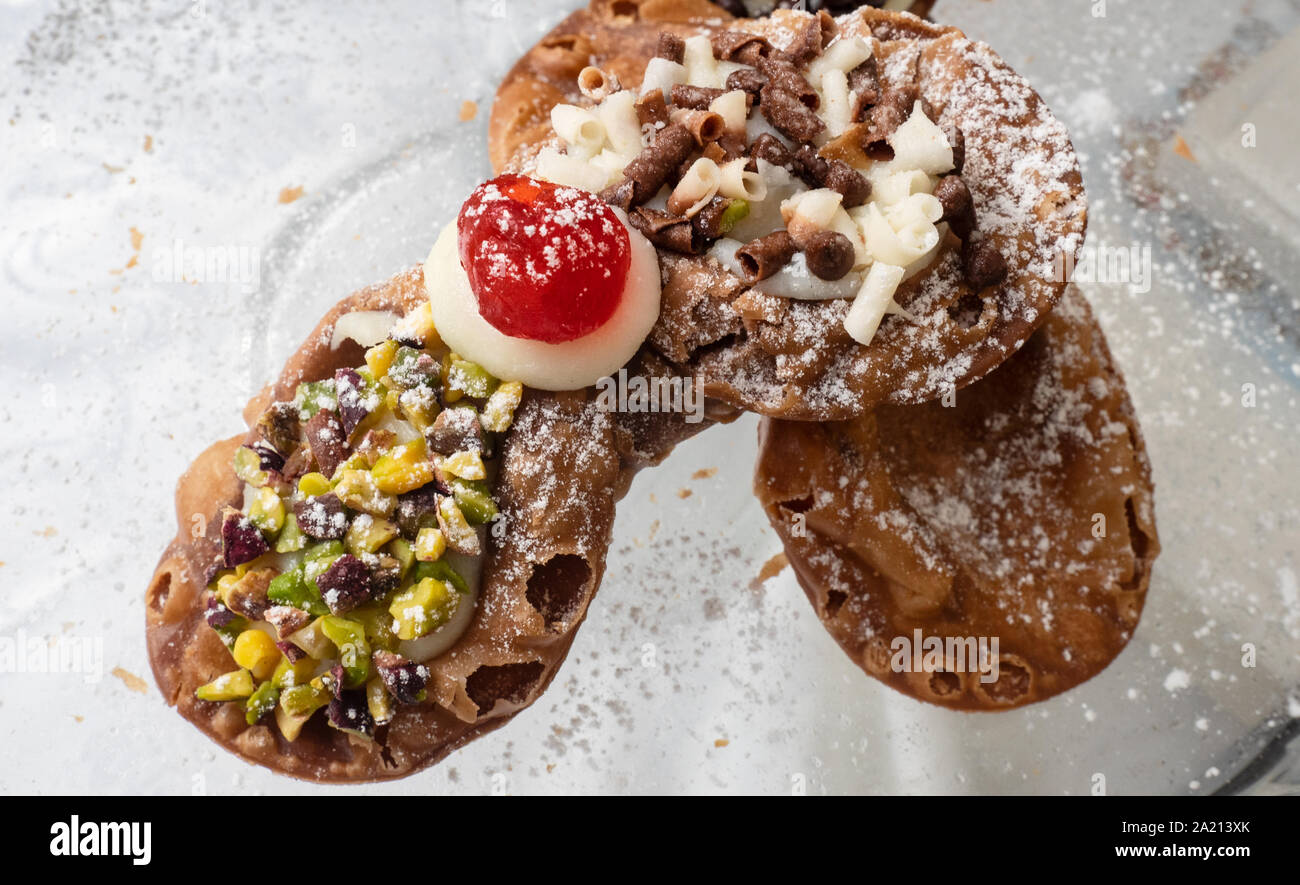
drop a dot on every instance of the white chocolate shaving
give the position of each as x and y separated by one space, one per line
699 185
622 126
738 184
569 170
733 108
873 301
581 130
842 56
662 74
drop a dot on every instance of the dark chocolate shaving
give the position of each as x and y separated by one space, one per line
697 97
673 232
740 46
708 221
818 171
768 147
650 169
761 258
651 109
788 114
671 47
747 80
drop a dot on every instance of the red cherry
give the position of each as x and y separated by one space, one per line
545 262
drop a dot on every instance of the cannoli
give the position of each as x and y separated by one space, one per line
395 556
958 191
980 553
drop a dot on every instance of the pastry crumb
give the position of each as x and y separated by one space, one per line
131 681
289 194
772 568
468 111
721 742
684 493
705 473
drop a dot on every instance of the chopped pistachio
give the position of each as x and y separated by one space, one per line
405 468
288 674
291 537
471 379
459 534
292 588
314 484
378 625
312 396
261 702
357 489
735 212
256 652
475 500
267 511
368 533
248 467
422 608
466 465
430 545
380 357
419 405
499 410
378 701
442 571
401 550
349 637
290 726
312 639
418 326
298 700
227 687
410 369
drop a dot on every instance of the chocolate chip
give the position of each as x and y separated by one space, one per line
958 207
983 264
829 254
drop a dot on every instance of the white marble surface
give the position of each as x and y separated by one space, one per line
184 121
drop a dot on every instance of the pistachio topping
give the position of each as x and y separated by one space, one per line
356 493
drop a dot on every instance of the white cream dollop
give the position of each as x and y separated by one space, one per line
570 365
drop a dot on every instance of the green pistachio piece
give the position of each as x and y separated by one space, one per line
227 687
303 700
312 396
291 537
261 702
474 500
733 215
293 588
441 571
349 637
377 699
423 608
470 379
378 625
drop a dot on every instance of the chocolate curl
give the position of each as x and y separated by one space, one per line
829 254
818 171
649 170
788 115
881 123
817 31
697 97
715 152
619 195
671 47
704 126
761 258
864 82
782 74
666 231
768 147
901 99
708 221
958 207
747 80
651 109
732 145
740 46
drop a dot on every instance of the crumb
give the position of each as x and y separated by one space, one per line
771 568
48 532
1182 150
289 194
721 742
705 473
684 493
148 144
131 681
137 239
113 170
468 111
78 718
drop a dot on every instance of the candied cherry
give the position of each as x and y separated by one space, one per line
544 261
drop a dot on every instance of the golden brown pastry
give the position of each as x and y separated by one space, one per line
1021 512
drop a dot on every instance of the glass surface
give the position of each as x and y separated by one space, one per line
135 135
